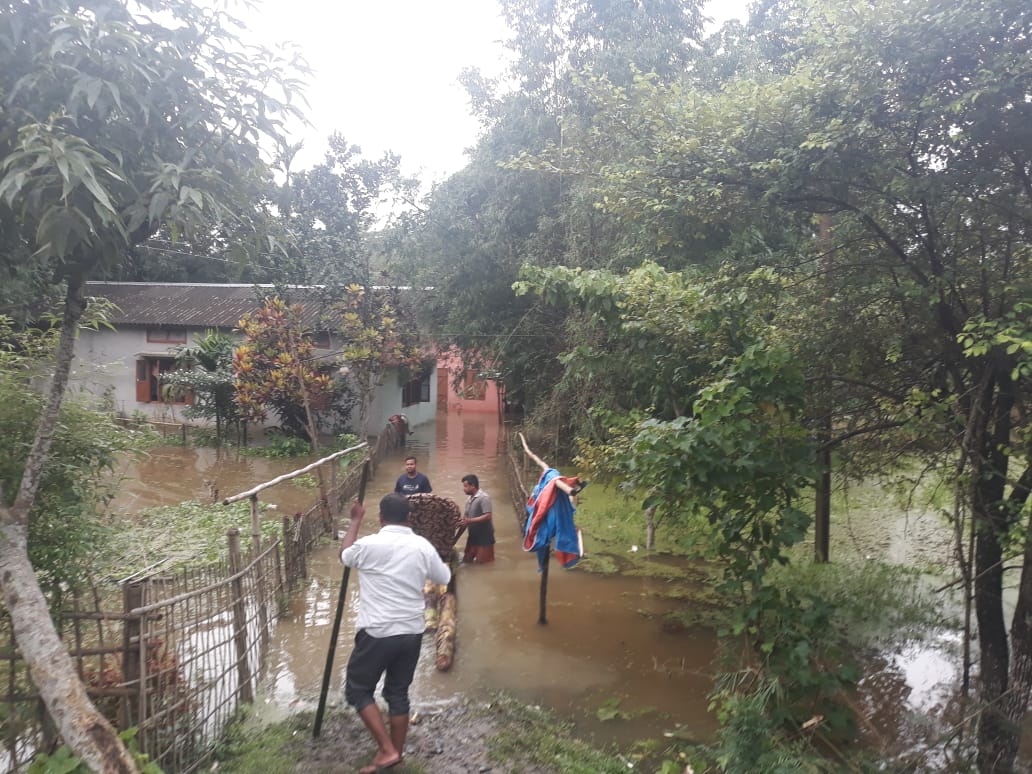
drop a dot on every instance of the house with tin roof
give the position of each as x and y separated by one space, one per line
152 321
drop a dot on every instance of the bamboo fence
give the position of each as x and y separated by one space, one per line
174 656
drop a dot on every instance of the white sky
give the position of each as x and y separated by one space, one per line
386 72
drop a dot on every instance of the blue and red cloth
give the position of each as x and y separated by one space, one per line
551 512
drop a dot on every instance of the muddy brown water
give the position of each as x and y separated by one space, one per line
603 646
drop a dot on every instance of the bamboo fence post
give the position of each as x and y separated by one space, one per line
279 574
132 598
261 584
256 529
144 708
239 617
288 554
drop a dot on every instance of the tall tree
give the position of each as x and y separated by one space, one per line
327 211
481 225
117 119
906 129
377 335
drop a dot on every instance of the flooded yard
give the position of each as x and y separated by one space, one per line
604 661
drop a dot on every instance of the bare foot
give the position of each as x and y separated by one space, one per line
377 766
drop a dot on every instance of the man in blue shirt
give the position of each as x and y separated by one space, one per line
412 481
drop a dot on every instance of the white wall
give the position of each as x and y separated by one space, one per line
105 363
387 402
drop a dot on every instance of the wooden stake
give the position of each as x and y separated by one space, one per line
336 622
542 618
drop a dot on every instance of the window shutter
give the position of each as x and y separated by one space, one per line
143 380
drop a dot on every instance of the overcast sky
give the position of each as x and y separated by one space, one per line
386 72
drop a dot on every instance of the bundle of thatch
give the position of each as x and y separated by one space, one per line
437 519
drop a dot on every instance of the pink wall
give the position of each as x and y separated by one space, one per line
475 395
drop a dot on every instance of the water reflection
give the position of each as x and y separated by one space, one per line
171 474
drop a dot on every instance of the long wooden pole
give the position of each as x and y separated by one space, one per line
292 474
542 617
328 671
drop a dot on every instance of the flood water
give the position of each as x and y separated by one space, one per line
604 642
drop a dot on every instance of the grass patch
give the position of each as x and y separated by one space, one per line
272 749
614 535
534 737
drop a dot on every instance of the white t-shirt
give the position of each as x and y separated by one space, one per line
393 565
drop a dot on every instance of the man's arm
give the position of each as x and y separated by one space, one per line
439 572
426 481
357 513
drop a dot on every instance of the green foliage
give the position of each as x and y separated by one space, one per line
728 454
753 741
206 372
534 737
376 337
1010 335
113 125
64 533
872 602
326 213
274 748
280 446
306 481
187 534
610 709
63 761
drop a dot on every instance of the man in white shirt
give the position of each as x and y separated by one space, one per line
393 566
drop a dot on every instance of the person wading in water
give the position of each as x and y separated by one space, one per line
477 519
412 481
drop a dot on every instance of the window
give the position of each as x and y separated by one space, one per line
416 391
165 336
149 388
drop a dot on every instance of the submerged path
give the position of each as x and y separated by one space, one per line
603 642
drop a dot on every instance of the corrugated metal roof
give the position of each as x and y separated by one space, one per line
196 305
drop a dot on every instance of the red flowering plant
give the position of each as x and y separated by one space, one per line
274 369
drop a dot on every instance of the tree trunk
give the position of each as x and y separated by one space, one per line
650 528
988 434
994 656
86 732
1021 628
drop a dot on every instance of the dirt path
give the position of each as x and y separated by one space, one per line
495 736
451 741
